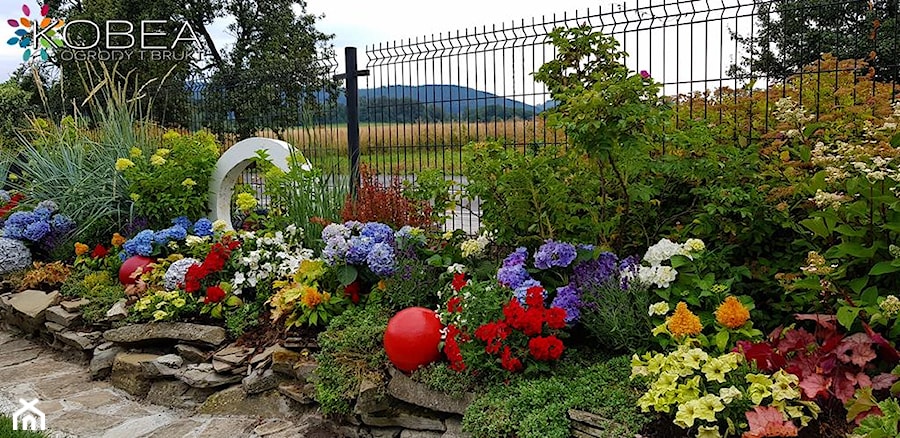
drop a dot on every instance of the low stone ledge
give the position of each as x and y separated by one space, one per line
172 332
403 388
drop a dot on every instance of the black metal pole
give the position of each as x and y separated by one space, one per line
352 95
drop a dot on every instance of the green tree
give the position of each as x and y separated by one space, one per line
793 33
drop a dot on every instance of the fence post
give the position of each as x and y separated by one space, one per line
352 94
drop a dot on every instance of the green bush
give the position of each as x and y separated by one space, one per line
100 288
538 407
415 283
351 349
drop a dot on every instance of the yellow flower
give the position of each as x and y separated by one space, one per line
311 297
188 182
683 322
715 370
179 302
163 152
694 245
448 235
246 202
730 394
311 269
693 357
117 240
219 225
785 386
660 308
136 152
687 413
171 135
81 249
159 315
732 314
124 163
134 197
708 406
708 432
157 160
382 285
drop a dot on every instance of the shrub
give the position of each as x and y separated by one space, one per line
386 203
414 283
351 350
100 288
46 276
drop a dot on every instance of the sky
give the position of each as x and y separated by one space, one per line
360 23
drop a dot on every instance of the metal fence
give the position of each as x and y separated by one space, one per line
425 98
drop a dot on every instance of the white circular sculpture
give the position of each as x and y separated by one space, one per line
233 162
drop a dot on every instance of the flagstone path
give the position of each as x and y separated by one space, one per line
76 406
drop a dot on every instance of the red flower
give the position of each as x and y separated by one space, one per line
99 252
451 349
214 294
555 318
546 348
513 313
454 305
192 278
533 323
12 204
459 281
493 334
508 362
352 291
534 297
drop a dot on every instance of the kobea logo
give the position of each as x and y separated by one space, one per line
112 40
36 35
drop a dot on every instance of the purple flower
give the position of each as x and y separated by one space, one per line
360 246
37 231
378 232
569 299
595 272
381 260
62 223
335 251
645 74
512 276
554 254
517 257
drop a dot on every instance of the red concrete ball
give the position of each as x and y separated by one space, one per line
412 338
132 264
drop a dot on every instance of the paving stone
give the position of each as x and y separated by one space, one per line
283 360
118 311
300 393
164 366
61 316
454 428
410 391
64 385
19 357
176 394
408 433
371 398
83 423
139 425
227 427
33 303
233 355
405 418
54 327
94 399
260 381
203 376
74 305
176 429
271 427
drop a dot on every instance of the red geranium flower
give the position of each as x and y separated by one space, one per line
352 291
546 348
99 252
534 297
459 281
454 305
214 294
508 362
555 317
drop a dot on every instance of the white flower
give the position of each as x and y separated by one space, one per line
219 225
176 272
660 308
661 276
456 268
475 247
662 251
694 245
193 241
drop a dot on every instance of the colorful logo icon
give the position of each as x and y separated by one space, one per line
37 35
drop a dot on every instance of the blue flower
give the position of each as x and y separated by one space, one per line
378 232
141 244
360 246
512 276
62 223
410 235
203 227
569 299
594 273
183 222
177 232
43 213
49 205
13 231
517 257
161 237
353 225
21 218
36 231
554 254
381 260
335 231
335 251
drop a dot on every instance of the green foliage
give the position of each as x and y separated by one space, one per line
616 317
880 426
7 432
430 186
14 109
351 349
173 180
414 283
101 288
538 407
439 377
550 194
242 319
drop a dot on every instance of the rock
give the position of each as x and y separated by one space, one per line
388 432
302 394
580 430
61 316
272 427
53 327
167 332
222 367
74 305
75 340
410 391
260 381
176 394
283 360
371 398
118 311
591 424
102 362
29 308
233 355
234 401
163 366
192 354
263 356
203 376
305 371
127 373
454 429
405 418
406 433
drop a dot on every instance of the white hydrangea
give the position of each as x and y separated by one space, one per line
694 246
192 241
475 247
268 257
658 275
175 274
662 251
660 308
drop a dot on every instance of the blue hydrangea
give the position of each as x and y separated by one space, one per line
522 291
594 273
62 223
353 225
13 231
203 227
141 244
36 231
335 231
177 232
4 196
378 232
47 204
183 222
381 260
569 299
410 235
335 251
161 237
359 249
43 213
512 276
554 254
21 218
517 257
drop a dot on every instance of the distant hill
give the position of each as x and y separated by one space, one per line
451 99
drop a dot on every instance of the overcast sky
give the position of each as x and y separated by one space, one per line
359 23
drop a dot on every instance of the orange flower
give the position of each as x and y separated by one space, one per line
732 314
117 240
81 249
311 297
683 322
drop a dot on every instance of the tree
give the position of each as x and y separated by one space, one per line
274 68
793 33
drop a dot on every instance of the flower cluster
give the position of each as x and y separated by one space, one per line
164 306
475 247
302 299
174 277
732 313
149 242
890 306
214 262
529 320
246 202
662 275
14 255
371 244
44 225
267 257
